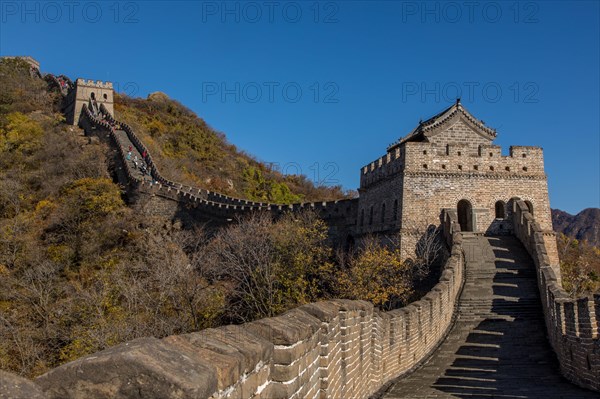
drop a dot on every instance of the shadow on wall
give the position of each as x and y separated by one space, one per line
497 360
502 224
500 227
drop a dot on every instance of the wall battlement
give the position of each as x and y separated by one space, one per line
94 83
522 161
573 324
167 198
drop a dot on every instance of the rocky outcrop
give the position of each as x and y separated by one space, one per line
14 387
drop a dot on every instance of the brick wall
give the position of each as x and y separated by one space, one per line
573 324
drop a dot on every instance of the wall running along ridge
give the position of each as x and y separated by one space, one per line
170 199
573 324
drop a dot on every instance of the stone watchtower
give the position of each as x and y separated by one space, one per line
450 161
88 92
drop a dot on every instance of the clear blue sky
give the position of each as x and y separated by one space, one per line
367 72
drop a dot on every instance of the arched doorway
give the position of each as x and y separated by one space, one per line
465 215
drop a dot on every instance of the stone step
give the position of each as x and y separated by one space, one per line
498 346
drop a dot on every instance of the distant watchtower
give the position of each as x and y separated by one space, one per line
88 92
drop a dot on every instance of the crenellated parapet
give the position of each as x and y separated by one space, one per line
98 84
573 324
523 162
384 167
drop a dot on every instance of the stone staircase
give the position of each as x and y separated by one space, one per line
500 281
498 346
125 143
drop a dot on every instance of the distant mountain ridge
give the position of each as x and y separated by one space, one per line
583 226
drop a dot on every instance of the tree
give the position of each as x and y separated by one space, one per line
429 249
377 273
579 265
20 134
260 188
272 266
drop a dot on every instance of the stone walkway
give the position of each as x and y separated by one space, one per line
125 143
498 346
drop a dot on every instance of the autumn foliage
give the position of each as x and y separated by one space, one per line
579 266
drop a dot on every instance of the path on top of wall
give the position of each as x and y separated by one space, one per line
125 143
498 346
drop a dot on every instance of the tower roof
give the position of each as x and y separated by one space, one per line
436 123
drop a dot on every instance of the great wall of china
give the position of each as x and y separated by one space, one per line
477 333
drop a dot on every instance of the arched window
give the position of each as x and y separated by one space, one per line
93 96
383 213
395 209
529 206
362 217
371 216
500 210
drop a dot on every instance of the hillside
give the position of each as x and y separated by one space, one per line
80 271
189 151
583 226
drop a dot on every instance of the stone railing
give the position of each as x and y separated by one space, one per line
450 225
330 349
573 324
